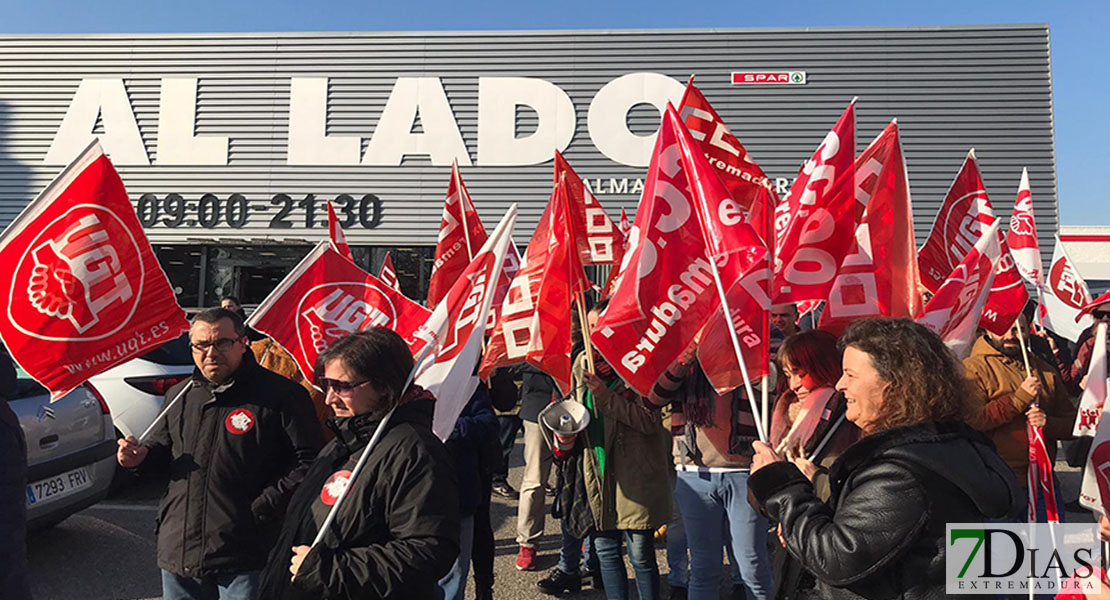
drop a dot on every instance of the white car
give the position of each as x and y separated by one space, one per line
136 389
71 449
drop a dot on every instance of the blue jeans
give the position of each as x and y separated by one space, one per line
706 499
232 586
453 585
570 554
678 557
641 553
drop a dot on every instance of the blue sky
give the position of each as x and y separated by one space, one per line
1081 77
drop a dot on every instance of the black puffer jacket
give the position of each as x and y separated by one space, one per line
396 533
881 534
234 456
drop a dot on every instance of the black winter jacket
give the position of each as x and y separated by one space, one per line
881 534
234 455
395 535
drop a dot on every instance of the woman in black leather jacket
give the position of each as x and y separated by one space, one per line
918 467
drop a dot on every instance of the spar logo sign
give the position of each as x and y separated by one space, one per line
1044 558
70 284
768 77
331 311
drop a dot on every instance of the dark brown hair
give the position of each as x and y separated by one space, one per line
924 381
813 352
377 354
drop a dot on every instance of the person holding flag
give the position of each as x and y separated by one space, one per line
236 441
400 534
1014 388
624 463
917 468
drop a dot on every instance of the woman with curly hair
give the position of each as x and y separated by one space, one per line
917 467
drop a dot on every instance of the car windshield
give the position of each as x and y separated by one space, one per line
173 352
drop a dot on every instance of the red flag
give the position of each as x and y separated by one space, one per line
963 217
335 235
953 312
814 226
550 345
598 239
327 297
723 151
1040 477
878 277
457 326
85 290
666 290
461 234
1022 236
512 332
388 275
625 226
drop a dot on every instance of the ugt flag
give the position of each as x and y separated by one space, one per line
85 292
1065 296
327 297
953 313
1022 236
963 217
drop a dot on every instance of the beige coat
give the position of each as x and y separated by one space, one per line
635 493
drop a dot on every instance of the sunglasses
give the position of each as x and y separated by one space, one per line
222 345
1101 314
340 387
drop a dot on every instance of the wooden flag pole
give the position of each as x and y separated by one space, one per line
584 325
1024 351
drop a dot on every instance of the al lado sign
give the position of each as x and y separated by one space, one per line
392 139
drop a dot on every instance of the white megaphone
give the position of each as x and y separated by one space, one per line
564 420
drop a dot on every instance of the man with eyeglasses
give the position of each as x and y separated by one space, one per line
235 445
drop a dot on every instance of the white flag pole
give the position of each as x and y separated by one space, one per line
188 385
736 348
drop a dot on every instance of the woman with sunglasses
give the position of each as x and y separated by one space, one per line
397 533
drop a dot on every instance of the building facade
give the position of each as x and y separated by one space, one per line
230 145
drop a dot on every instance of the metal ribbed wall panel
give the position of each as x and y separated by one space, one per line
951 88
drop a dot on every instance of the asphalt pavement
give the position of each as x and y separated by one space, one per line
107 552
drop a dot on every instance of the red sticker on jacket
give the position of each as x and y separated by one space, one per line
334 487
239 421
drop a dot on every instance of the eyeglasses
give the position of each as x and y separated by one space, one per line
340 387
221 345
1101 314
